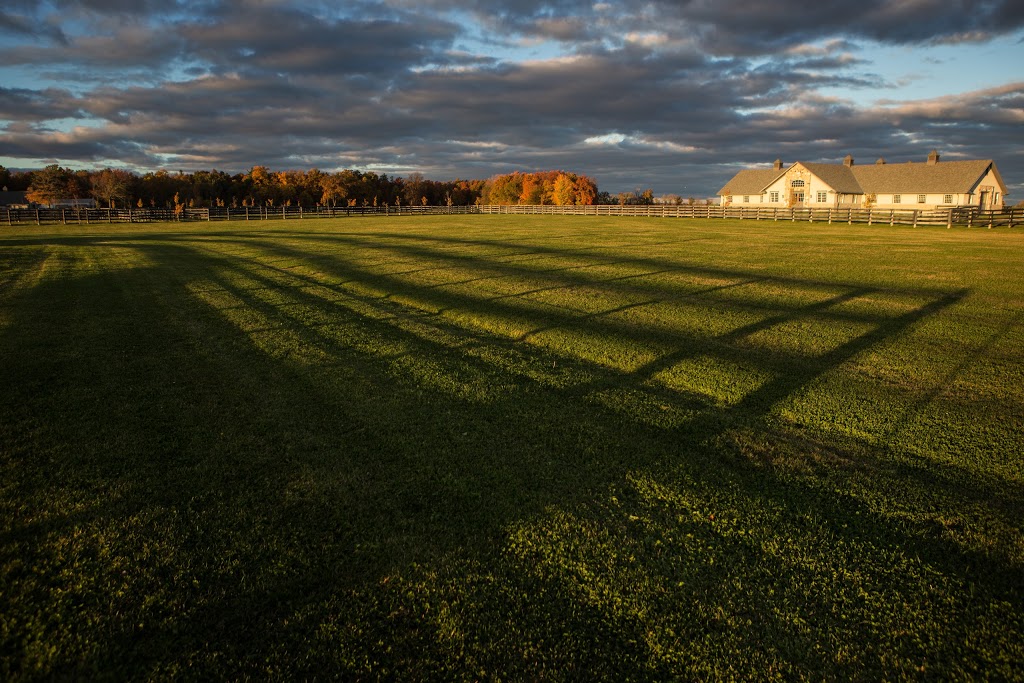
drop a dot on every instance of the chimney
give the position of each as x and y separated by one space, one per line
880 162
933 158
778 164
848 161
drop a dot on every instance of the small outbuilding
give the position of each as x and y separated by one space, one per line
13 199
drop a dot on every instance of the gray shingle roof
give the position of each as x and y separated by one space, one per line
954 177
750 181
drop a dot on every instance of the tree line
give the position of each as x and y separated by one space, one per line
260 186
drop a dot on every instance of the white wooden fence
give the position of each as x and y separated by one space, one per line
969 217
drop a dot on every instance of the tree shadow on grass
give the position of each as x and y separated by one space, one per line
240 481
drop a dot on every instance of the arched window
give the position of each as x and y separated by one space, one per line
797 183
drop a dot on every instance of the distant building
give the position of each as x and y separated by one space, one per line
14 200
925 185
88 203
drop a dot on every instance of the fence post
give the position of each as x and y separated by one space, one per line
37 217
949 219
9 217
991 216
915 217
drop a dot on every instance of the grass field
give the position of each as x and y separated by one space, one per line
512 448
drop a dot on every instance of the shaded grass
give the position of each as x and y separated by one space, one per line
516 448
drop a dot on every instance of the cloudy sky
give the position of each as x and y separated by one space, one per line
670 94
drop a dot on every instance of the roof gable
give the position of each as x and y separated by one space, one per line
837 176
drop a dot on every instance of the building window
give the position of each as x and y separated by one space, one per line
921 199
728 199
896 199
822 197
746 199
797 183
773 197
798 197
947 199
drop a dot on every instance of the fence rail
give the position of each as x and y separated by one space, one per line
962 216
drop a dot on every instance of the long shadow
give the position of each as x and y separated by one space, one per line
242 445
518 305
797 372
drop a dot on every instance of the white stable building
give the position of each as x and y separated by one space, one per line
911 185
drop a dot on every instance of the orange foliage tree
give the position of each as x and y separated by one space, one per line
543 187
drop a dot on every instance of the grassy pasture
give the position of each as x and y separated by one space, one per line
511 448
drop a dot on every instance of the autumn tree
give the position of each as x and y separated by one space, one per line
50 185
159 187
533 189
504 189
262 186
586 190
564 192
332 188
259 180
413 188
112 185
78 184
542 187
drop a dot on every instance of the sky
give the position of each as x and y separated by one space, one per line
672 95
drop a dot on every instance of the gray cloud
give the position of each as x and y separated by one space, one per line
670 96
751 26
25 105
28 26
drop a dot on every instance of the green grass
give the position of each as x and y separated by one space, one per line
511 448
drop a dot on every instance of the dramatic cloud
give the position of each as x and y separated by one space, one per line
672 95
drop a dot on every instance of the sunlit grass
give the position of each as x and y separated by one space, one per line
512 448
